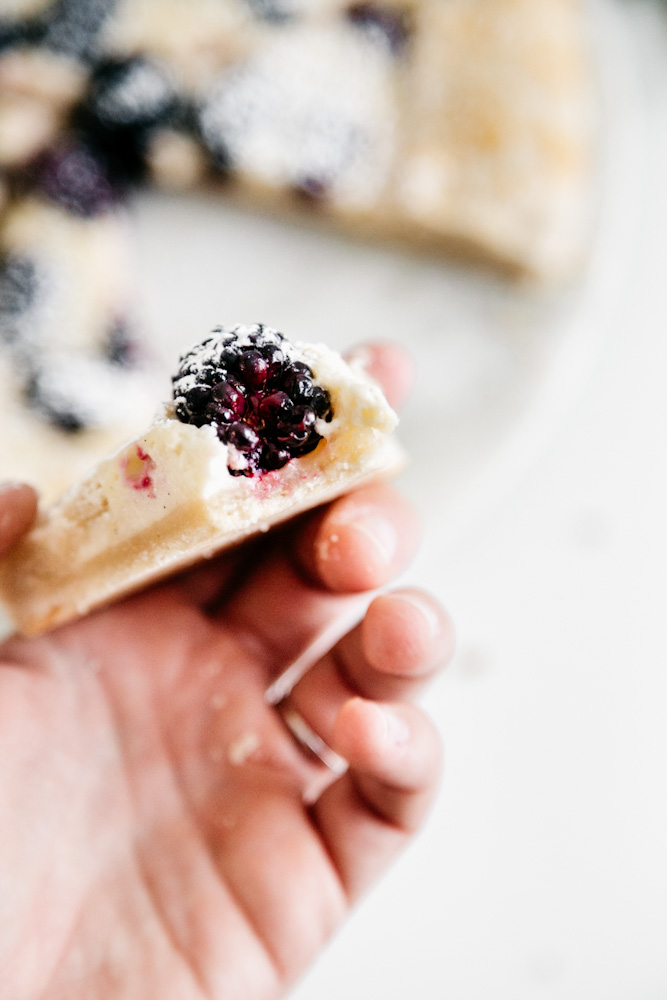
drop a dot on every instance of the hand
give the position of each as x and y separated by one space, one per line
162 832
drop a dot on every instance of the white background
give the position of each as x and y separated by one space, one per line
539 443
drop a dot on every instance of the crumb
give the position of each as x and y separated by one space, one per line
242 748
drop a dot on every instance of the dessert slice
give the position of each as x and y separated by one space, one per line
259 429
76 378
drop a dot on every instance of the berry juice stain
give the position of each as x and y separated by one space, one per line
137 468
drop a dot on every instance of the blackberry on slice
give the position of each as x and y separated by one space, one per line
263 402
389 23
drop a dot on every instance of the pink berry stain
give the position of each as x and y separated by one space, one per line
138 466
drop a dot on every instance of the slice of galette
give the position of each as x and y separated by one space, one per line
259 429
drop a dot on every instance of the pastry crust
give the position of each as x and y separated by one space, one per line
500 149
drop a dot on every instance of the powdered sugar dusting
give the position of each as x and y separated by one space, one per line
203 353
310 110
95 392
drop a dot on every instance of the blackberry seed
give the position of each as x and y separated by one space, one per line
194 403
274 458
302 388
299 450
253 369
242 436
230 395
321 403
275 358
182 411
275 408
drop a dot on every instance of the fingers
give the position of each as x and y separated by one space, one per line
360 542
18 508
392 750
404 639
367 816
394 753
308 583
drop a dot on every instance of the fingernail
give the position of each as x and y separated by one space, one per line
380 533
427 611
396 730
9 485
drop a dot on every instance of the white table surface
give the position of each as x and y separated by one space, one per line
543 869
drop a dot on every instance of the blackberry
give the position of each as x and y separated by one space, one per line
211 138
119 347
52 405
12 34
311 189
273 11
389 23
16 32
263 403
72 390
18 287
71 176
126 99
74 26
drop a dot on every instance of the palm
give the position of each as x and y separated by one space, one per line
164 803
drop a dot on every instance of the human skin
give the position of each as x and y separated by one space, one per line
162 834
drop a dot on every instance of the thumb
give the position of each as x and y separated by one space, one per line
18 507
